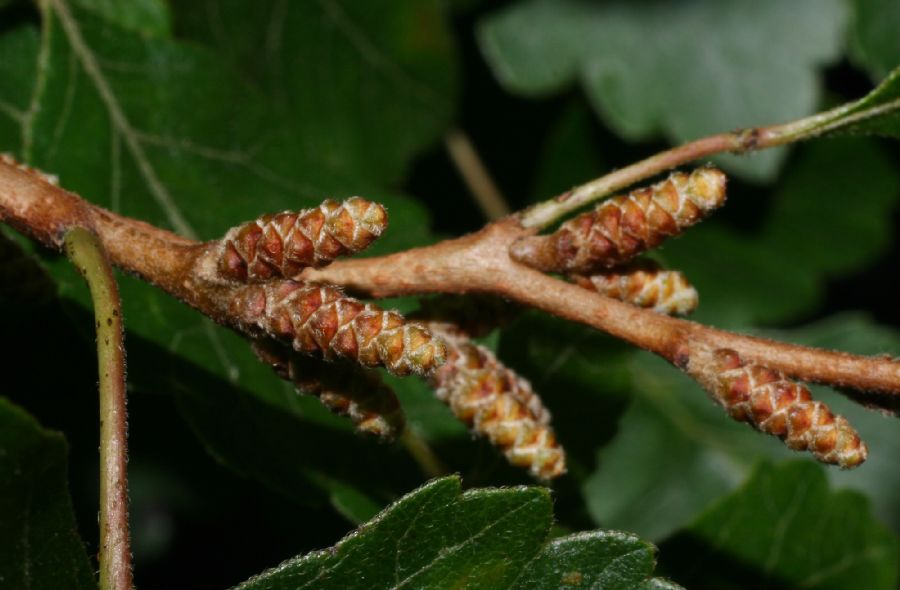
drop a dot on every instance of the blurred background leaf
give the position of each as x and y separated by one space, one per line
41 547
683 70
874 42
784 528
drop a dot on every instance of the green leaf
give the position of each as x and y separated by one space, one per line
437 537
785 528
877 113
831 214
874 39
168 132
677 451
40 544
18 55
363 85
680 69
148 17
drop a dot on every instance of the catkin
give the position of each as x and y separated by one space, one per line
498 404
644 284
624 226
284 244
321 319
773 404
345 389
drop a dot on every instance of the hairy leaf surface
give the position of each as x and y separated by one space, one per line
437 537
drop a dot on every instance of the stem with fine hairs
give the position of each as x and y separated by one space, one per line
86 253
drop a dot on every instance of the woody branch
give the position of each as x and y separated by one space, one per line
476 263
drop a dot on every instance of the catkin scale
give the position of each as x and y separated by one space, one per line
773 404
622 227
320 319
346 390
498 404
283 244
644 284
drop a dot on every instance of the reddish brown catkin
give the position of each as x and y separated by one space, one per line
624 226
322 319
498 404
775 405
345 389
283 244
644 284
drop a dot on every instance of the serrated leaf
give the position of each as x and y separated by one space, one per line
166 132
436 537
874 39
677 451
39 543
785 528
681 69
828 217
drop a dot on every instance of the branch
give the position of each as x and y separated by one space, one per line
480 263
86 253
477 263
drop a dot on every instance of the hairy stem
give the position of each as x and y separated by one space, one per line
87 254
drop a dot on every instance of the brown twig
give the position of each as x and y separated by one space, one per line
476 263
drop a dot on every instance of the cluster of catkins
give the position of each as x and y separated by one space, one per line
293 322
597 250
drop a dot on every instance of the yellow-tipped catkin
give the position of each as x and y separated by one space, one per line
343 388
644 284
773 404
622 227
498 404
284 244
